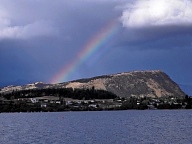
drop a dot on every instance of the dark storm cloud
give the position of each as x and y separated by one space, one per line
39 37
165 37
14 62
21 19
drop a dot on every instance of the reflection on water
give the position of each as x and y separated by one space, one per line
117 127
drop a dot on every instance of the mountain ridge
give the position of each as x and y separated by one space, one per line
150 83
153 83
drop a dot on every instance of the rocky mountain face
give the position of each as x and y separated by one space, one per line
137 83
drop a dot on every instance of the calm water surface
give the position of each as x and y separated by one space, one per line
104 127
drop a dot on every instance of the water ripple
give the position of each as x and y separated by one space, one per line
117 127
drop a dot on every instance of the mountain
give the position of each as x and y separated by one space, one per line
137 83
37 85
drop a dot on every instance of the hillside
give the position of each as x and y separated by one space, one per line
137 83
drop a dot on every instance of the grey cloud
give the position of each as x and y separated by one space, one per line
156 22
39 37
157 13
33 18
156 37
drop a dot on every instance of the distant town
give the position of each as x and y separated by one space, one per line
68 99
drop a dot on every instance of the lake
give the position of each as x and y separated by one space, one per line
100 127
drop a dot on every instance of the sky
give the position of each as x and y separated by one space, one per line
63 40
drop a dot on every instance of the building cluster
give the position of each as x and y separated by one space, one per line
53 103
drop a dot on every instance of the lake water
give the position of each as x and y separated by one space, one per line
103 127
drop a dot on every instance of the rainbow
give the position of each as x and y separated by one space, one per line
91 47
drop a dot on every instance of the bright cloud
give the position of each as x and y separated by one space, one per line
144 13
39 28
21 30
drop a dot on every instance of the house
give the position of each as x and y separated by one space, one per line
33 100
43 105
93 105
58 102
69 103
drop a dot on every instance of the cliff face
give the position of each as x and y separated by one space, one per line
137 83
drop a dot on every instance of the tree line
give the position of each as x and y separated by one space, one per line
80 94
